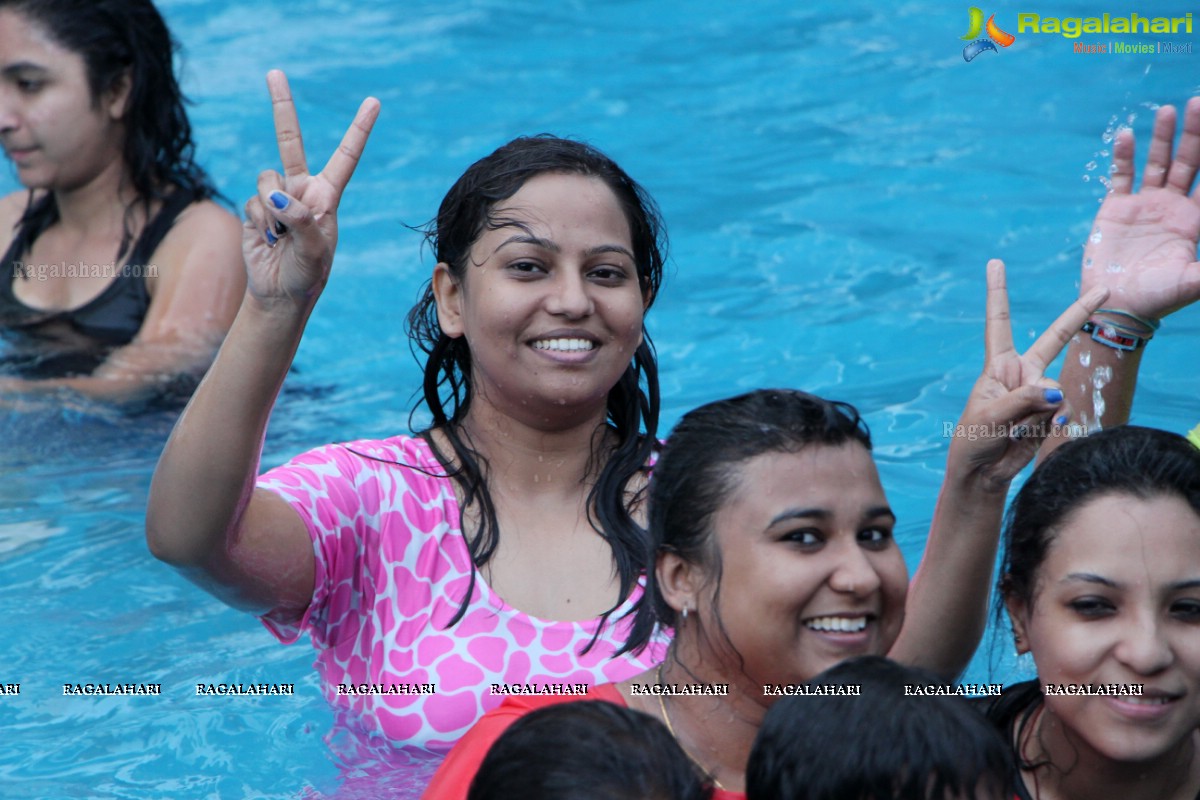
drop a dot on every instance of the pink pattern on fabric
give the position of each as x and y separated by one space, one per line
392 568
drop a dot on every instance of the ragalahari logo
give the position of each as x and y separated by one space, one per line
995 36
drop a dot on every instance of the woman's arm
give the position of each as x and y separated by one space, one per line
1142 248
195 296
1006 418
204 515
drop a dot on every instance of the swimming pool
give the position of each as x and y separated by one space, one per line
834 177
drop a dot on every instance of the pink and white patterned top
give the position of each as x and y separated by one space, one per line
392 568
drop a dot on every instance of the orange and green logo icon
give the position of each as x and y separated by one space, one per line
995 36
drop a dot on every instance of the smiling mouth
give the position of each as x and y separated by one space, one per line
1150 699
837 624
564 345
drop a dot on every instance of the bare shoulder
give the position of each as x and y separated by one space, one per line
205 218
206 234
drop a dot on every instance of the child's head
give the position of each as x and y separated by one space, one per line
587 750
881 744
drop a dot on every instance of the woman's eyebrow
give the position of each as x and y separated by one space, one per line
1091 577
22 67
547 244
802 513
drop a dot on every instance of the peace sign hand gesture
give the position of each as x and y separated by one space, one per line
1009 411
291 232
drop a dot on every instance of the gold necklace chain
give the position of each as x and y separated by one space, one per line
662 706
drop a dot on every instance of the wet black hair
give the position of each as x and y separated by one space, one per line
883 744
115 38
1131 460
587 750
633 403
698 471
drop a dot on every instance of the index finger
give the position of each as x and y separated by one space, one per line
997 333
1050 344
287 125
342 163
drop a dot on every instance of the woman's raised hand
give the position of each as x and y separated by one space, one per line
291 230
1142 247
1011 407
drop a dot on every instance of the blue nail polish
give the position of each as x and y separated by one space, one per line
1061 420
271 238
279 200
1053 395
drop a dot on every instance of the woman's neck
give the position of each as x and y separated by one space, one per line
1074 770
526 459
89 209
716 730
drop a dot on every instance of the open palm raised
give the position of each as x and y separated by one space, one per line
1142 246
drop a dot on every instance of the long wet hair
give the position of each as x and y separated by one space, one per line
633 403
699 470
116 38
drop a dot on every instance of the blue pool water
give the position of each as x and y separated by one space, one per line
834 176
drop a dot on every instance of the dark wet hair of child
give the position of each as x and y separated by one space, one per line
587 751
879 745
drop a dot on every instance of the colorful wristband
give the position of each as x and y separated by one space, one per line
1109 336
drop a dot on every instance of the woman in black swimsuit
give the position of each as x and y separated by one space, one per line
121 274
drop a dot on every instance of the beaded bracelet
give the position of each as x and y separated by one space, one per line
1150 324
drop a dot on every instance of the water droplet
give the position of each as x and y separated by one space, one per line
1091 165
1087 263
1096 237
1114 268
1087 178
1085 359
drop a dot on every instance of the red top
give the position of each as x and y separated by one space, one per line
454 776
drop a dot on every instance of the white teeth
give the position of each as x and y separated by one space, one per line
563 345
840 624
1147 701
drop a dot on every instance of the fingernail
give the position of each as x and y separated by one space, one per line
271 238
1053 395
1061 420
279 200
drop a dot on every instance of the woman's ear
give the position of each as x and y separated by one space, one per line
447 292
116 97
679 581
1018 613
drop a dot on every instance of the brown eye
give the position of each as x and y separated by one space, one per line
875 538
1187 610
1091 607
805 537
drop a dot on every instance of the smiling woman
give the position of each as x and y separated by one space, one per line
1102 584
548 254
121 275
